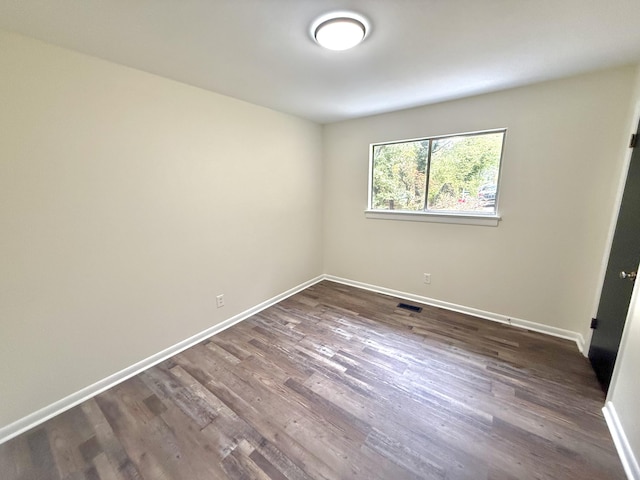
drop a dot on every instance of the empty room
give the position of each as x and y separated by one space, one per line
319 239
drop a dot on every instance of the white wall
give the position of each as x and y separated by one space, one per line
625 388
127 202
564 151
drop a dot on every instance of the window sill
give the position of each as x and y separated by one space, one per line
461 219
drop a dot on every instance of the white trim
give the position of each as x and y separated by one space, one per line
40 416
496 317
459 218
628 459
36 418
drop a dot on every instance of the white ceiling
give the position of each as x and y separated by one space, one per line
418 52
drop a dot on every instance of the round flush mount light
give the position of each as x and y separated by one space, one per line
340 30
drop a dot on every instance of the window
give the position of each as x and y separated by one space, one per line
452 175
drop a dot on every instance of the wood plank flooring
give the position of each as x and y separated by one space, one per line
337 383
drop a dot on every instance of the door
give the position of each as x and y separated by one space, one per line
619 278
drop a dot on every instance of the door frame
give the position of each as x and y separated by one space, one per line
633 125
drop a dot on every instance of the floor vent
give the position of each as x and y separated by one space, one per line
411 308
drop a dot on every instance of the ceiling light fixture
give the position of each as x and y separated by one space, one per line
340 30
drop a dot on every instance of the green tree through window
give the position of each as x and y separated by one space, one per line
456 173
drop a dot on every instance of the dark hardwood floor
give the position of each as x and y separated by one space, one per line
337 383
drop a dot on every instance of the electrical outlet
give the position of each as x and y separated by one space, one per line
220 301
427 278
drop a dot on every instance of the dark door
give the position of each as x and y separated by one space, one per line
616 290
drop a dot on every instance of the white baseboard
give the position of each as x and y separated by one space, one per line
628 459
36 418
496 317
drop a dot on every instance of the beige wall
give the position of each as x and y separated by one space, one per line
564 152
127 203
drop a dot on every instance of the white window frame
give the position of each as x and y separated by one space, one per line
464 218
